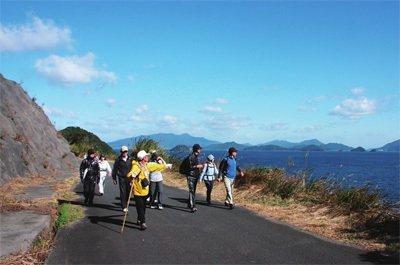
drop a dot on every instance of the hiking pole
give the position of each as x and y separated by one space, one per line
127 206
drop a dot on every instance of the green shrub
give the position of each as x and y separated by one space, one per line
68 213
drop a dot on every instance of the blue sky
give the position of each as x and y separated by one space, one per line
230 71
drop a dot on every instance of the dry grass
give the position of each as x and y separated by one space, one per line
9 200
318 219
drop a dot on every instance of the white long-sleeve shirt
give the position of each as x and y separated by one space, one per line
105 169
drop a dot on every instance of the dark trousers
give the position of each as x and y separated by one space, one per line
89 186
141 208
156 192
192 185
124 189
209 186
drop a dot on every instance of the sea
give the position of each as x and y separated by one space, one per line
377 170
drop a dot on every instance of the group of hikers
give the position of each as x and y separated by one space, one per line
141 176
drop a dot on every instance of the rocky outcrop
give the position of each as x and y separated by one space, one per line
29 143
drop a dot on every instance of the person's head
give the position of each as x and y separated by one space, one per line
91 153
232 152
153 156
124 151
142 156
102 157
196 149
210 158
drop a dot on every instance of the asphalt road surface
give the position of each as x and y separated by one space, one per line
214 234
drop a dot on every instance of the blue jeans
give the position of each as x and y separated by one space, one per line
192 185
156 192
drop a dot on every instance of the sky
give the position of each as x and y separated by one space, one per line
249 72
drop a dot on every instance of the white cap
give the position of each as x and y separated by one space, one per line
124 148
210 158
141 154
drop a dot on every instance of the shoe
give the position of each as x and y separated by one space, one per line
125 210
137 222
101 194
143 226
226 204
194 209
160 207
231 206
152 206
208 203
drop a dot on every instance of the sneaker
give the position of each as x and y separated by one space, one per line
194 209
153 207
125 210
160 207
143 226
226 204
231 206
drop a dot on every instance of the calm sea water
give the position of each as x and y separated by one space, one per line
378 170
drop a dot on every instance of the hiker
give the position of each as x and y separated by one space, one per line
227 169
90 176
191 168
156 184
105 171
139 174
122 166
210 171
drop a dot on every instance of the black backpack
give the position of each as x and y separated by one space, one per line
184 168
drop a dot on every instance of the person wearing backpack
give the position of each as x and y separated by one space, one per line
89 172
227 169
121 167
210 171
191 167
139 176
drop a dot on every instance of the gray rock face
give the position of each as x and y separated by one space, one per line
29 143
19 229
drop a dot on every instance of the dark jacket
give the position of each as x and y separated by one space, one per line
121 168
93 169
193 162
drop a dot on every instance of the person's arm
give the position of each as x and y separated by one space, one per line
82 169
216 172
134 172
203 172
239 169
97 172
108 170
152 166
114 170
222 167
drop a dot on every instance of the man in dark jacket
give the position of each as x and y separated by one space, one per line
122 166
90 175
193 176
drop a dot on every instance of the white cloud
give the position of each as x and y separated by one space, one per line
310 129
278 126
141 109
169 121
226 122
304 108
70 70
56 112
357 91
111 102
141 114
354 108
211 109
221 101
36 35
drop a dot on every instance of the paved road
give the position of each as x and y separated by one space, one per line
211 235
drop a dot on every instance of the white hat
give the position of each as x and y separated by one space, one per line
210 158
124 148
141 154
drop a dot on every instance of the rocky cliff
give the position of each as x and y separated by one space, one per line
29 143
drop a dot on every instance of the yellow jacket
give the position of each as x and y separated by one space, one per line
139 172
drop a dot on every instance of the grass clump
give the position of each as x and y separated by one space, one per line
68 213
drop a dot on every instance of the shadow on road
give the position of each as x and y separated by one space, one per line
213 205
177 208
112 219
96 205
377 257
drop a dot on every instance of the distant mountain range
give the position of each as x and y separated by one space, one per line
170 140
166 140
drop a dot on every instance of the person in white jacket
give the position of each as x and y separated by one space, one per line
105 171
208 175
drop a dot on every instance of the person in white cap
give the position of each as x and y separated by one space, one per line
139 174
208 175
122 166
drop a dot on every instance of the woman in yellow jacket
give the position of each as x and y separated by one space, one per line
140 173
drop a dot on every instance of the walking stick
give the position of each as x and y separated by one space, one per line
127 206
